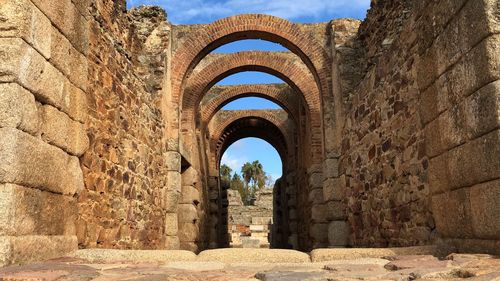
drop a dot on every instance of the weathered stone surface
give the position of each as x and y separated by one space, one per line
60 130
331 168
172 243
68 60
188 231
484 210
24 249
173 161
64 15
335 210
320 255
338 233
187 213
171 200
190 195
190 177
29 211
109 256
319 231
319 212
171 224
334 189
20 18
18 108
28 161
41 78
452 213
253 255
476 115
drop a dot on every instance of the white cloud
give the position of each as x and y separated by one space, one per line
235 163
182 11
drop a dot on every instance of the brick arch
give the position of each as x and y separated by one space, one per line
283 96
276 64
250 26
269 125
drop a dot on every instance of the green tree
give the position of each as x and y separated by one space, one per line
225 172
259 176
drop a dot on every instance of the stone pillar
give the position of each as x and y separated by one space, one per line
42 111
318 230
171 197
334 194
189 220
213 219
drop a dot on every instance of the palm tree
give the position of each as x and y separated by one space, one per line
225 172
259 176
247 171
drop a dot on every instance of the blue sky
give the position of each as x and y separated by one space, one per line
206 11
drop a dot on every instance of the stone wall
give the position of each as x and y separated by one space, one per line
43 86
425 101
247 224
123 204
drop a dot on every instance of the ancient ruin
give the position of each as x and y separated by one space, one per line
112 133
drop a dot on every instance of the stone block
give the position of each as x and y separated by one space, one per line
190 195
316 180
335 210
334 189
456 39
174 181
476 161
331 168
29 211
29 161
338 233
439 178
235 255
171 224
20 18
111 256
319 231
188 232
190 177
476 115
316 196
172 161
187 213
247 242
26 249
65 16
170 200
257 228
473 71
482 110
48 85
18 109
172 243
68 60
485 210
60 130
319 213
452 213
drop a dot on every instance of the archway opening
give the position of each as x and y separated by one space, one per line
250 166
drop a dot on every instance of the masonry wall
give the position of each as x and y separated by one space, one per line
43 86
124 203
422 125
